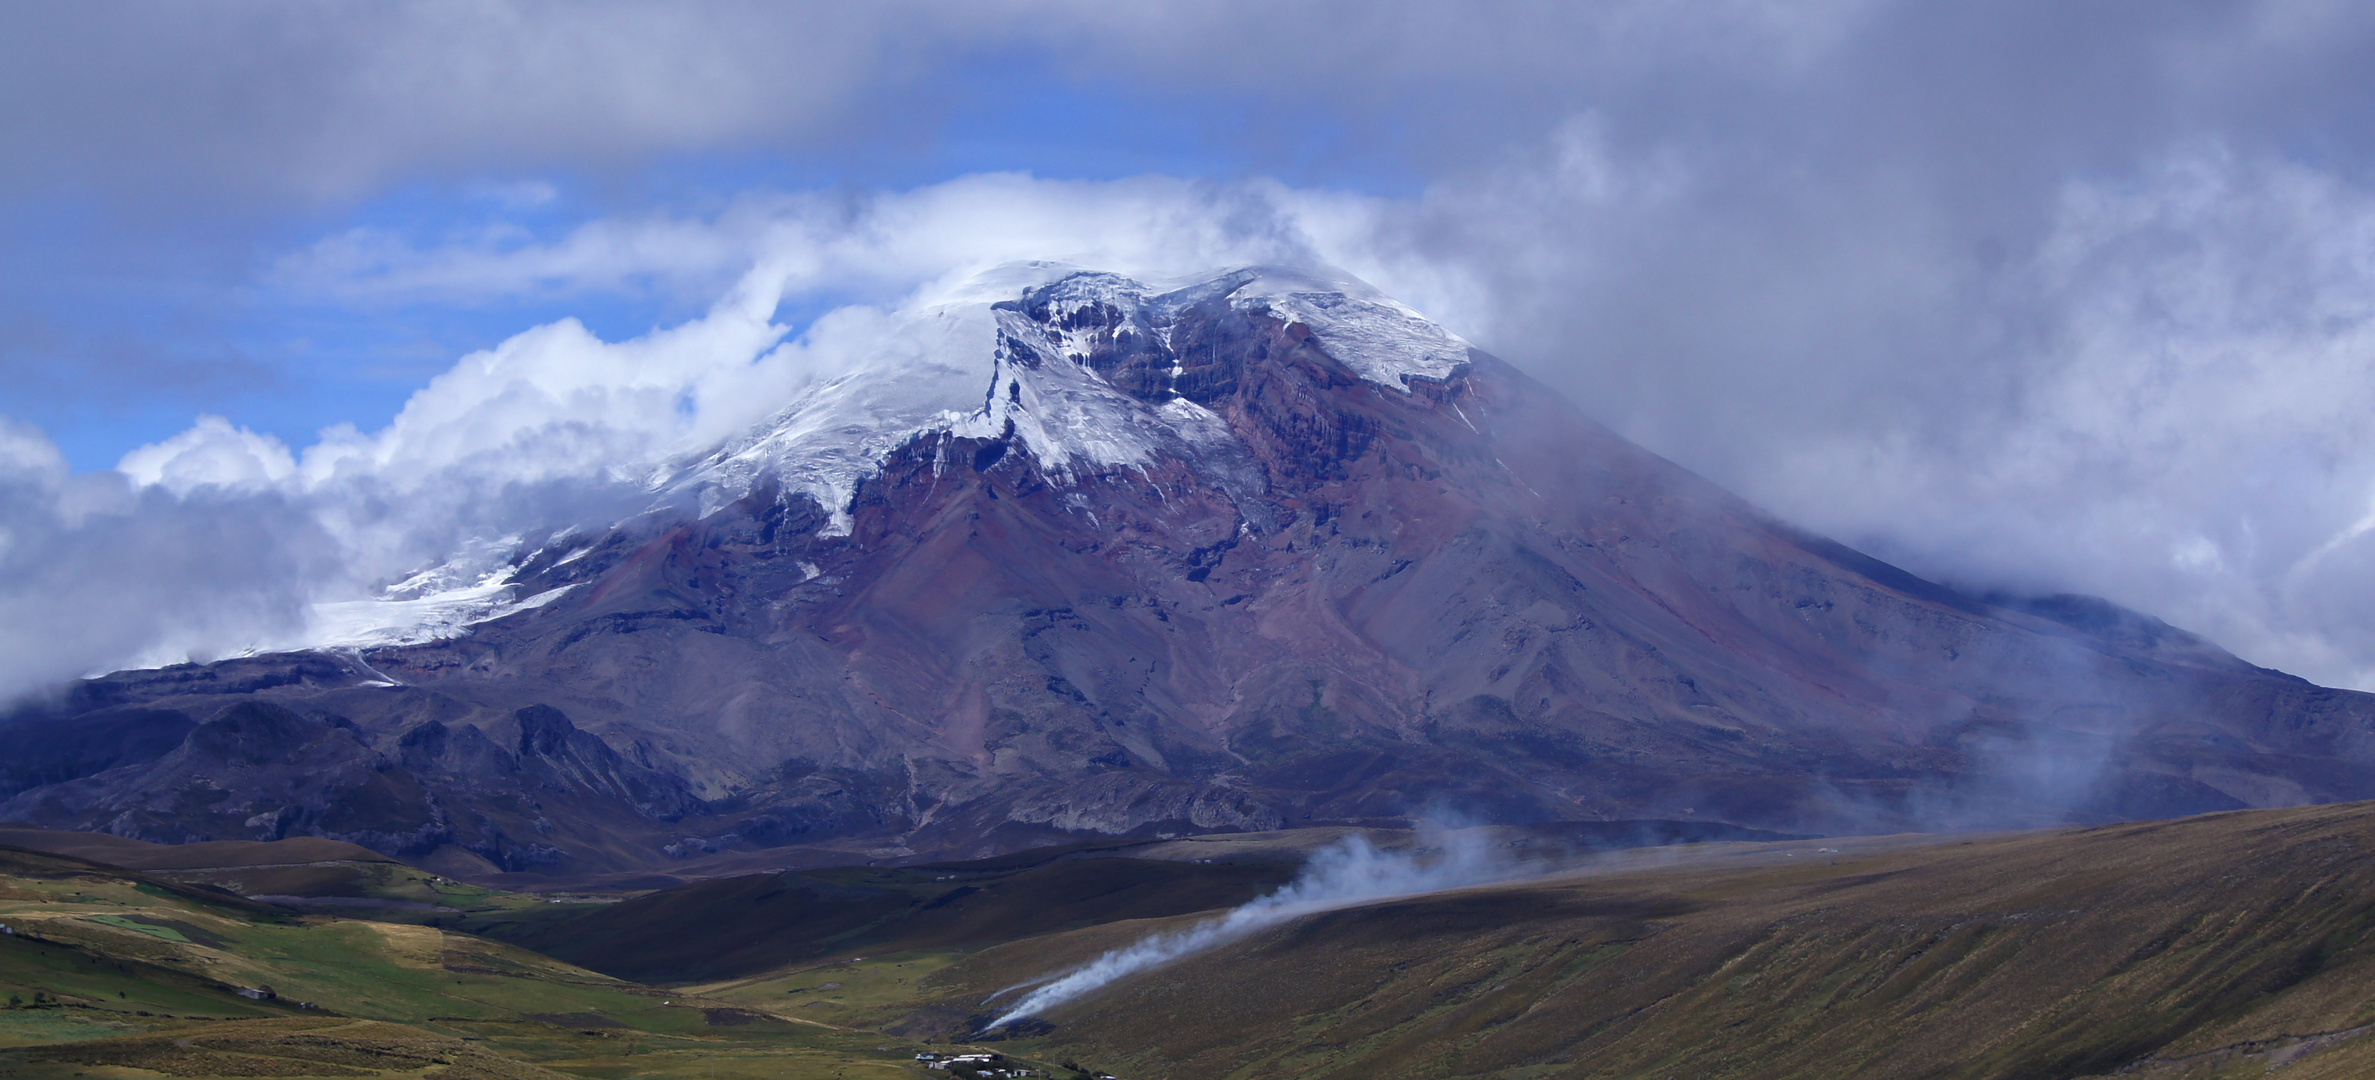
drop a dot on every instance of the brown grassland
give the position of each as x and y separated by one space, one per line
2230 945
2224 945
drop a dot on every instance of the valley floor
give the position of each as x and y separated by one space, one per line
2229 945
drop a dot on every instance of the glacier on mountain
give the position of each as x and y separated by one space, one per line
929 375
975 362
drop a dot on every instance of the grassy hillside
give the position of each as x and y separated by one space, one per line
306 872
753 925
746 926
2213 946
112 972
142 855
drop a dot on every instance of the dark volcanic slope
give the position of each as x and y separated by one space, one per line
1370 601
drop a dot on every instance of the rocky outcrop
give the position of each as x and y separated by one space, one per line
258 770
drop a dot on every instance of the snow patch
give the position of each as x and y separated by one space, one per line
1381 339
441 602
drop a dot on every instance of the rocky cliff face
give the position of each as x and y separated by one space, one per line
1259 551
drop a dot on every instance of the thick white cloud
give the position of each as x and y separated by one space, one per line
97 573
2190 427
880 244
212 453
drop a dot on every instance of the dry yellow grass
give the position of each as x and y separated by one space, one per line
2211 946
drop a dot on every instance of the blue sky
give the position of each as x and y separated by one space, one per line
2024 295
131 321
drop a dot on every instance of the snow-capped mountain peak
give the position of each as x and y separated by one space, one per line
1081 367
1086 371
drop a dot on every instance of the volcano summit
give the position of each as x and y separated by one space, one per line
1086 557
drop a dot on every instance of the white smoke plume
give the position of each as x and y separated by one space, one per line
1345 874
